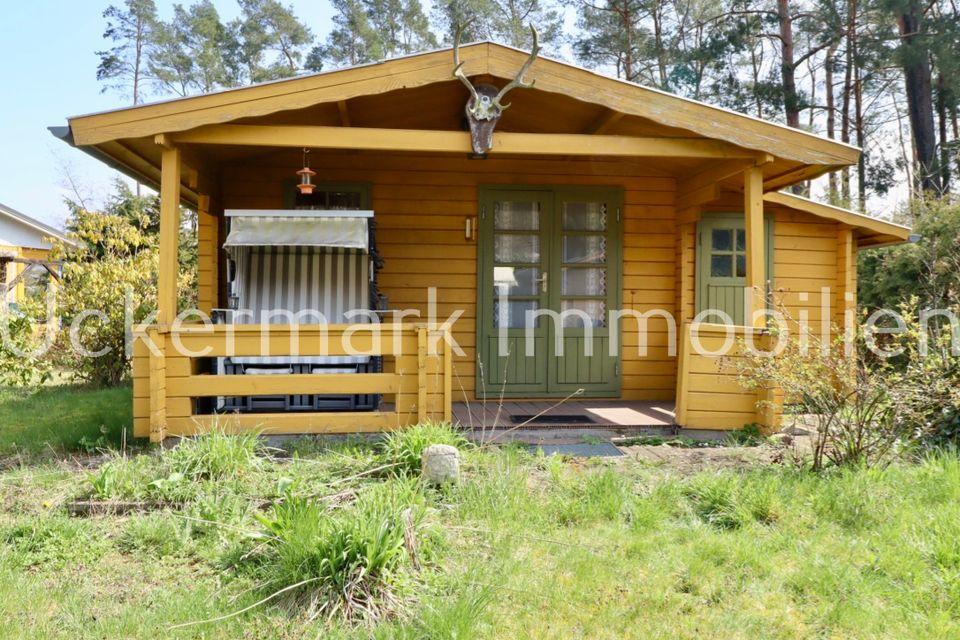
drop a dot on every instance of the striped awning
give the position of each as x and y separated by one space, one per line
332 229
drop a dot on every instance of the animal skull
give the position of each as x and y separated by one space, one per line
485 105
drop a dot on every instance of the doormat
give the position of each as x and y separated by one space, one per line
601 450
555 418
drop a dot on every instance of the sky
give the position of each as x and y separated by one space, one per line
48 72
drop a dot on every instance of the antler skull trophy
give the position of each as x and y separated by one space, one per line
485 105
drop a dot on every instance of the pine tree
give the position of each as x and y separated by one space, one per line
504 21
369 30
132 29
272 39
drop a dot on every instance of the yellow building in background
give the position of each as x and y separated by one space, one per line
25 245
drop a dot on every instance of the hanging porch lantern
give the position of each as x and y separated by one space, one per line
305 185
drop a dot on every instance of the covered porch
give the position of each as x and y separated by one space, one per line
645 165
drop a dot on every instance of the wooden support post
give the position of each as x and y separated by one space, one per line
208 252
169 236
447 377
846 275
421 373
158 388
756 280
686 267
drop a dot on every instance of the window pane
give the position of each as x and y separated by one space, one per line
515 281
741 266
722 239
721 266
584 216
516 248
741 240
517 216
343 199
584 282
580 313
515 314
584 249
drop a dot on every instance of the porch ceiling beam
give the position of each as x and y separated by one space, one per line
702 195
717 172
344 112
458 141
605 122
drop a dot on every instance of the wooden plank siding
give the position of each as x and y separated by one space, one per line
422 203
814 270
709 395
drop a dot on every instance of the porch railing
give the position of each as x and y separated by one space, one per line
709 395
168 376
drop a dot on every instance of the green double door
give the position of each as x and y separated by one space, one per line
549 276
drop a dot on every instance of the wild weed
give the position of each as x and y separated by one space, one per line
347 563
157 534
216 455
52 540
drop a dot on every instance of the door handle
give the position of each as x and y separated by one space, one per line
543 283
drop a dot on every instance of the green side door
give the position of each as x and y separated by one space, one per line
722 265
549 273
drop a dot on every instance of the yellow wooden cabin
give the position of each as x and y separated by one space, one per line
596 195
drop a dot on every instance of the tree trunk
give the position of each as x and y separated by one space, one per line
828 65
944 142
851 31
915 58
858 123
791 101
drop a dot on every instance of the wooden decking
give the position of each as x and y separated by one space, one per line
616 414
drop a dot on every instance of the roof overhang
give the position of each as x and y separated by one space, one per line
121 137
871 232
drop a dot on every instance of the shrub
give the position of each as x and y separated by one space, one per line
19 366
834 381
113 265
403 448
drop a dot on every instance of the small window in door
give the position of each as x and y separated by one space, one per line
728 253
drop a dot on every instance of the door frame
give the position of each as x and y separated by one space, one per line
614 194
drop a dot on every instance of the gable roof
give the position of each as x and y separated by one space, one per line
485 58
45 230
872 232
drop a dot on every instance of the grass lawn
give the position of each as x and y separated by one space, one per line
61 416
523 547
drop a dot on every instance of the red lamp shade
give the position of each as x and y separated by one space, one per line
306 187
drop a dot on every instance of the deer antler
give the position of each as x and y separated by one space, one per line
518 81
458 66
